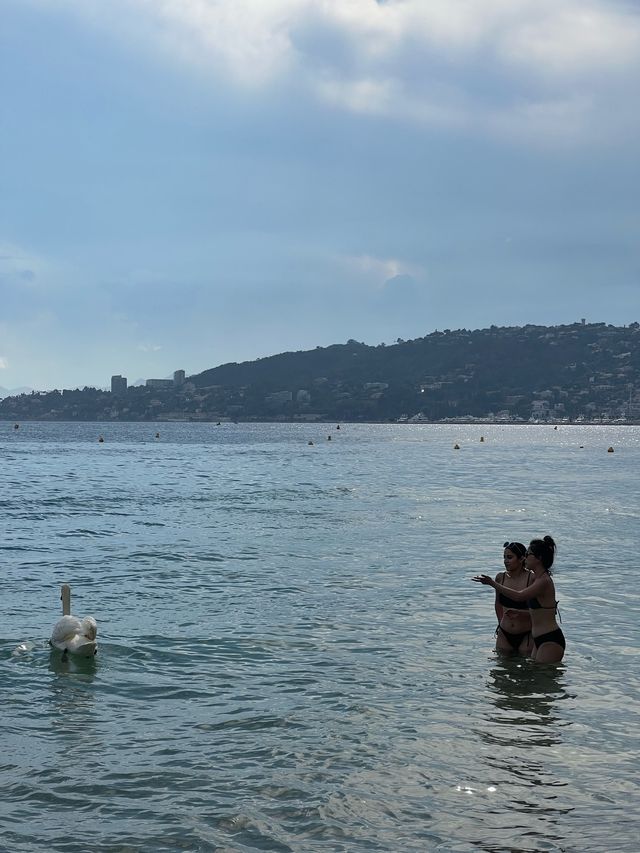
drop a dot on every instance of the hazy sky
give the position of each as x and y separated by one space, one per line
189 182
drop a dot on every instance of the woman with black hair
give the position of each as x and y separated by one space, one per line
513 633
540 597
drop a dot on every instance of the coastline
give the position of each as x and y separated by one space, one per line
220 421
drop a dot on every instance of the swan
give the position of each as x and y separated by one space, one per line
72 635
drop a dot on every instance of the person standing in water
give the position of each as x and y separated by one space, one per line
513 633
540 596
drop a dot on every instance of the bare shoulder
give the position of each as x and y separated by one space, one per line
542 584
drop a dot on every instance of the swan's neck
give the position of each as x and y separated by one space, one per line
65 597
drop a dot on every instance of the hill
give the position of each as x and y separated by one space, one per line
588 370
573 372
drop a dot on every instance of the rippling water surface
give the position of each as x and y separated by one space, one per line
291 654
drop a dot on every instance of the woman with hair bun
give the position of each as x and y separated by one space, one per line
540 596
513 633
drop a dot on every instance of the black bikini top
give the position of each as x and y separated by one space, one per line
534 604
505 601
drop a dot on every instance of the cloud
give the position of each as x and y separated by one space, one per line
149 347
513 67
247 40
4 364
443 106
570 38
19 266
381 270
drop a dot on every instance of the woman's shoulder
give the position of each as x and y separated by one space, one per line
544 585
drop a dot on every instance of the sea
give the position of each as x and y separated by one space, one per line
292 655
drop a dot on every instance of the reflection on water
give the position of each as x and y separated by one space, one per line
83 667
523 733
525 694
72 707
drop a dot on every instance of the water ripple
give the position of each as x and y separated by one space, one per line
291 654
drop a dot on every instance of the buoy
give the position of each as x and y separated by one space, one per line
610 450
328 438
582 447
456 447
16 426
481 438
338 427
556 426
157 435
100 439
310 443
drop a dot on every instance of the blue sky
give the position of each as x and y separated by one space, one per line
189 182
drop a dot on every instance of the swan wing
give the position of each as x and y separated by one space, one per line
64 630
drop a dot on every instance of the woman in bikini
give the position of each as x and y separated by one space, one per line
514 623
540 596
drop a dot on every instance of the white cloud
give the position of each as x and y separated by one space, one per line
574 38
258 38
544 71
149 347
417 60
389 97
380 270
250 39
4 364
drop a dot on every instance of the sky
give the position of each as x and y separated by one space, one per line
185 183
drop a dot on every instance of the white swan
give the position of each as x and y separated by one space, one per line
72 635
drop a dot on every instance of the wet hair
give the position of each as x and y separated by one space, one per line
517 547
544 549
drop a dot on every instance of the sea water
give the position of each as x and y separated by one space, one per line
292 656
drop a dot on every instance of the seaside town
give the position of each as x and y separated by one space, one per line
582 373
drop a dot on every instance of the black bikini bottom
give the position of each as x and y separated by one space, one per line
552 637
514 640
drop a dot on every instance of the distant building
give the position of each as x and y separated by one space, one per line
118 384
279 397
159 383
178 377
